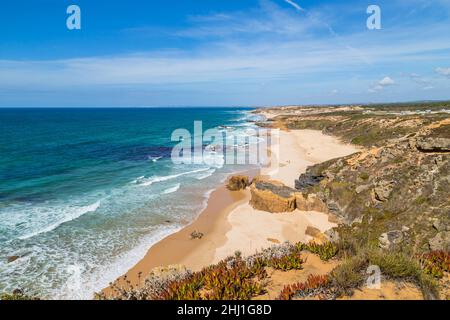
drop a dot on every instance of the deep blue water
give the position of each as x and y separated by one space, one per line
84 192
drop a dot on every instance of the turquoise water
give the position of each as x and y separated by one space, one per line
85 192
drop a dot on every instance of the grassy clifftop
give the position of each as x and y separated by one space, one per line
395 192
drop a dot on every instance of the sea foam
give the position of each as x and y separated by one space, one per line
72 214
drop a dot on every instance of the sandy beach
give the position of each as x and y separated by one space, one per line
229 223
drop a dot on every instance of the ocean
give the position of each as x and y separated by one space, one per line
84 192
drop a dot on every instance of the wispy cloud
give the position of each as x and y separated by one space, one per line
266 20
295 5
240 51
424 83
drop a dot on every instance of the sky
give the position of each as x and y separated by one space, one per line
138 53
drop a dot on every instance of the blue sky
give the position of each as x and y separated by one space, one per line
222 52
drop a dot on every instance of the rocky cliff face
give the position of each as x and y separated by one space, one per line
395 193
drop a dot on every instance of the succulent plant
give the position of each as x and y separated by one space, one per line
435 263
313 285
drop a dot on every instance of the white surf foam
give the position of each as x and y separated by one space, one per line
71 215
154 159
172 189
149 181
206 174
87 283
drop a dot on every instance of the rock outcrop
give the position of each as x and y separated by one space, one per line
308 179
441 241
309 202
433 144
236 183
400 179
272 196
390 239
12 258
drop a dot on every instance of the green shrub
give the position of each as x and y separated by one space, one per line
325 251
285 263
395 264
349 275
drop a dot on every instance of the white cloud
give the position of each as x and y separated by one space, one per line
443 71
386 81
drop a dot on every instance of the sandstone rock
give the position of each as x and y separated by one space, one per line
439 225
12 258
389 239
236 183
312 231
440 242
333 207
428 144
309 202
272 196
316 234
332 235
383 190
362 188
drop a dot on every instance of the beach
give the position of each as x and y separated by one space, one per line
229 223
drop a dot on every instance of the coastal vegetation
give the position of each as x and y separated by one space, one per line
246 278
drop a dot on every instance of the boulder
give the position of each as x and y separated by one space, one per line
440 242
236 183
383 190
332 235
12 258
439 225
272 196
389 239
316 234
362 188
429 144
